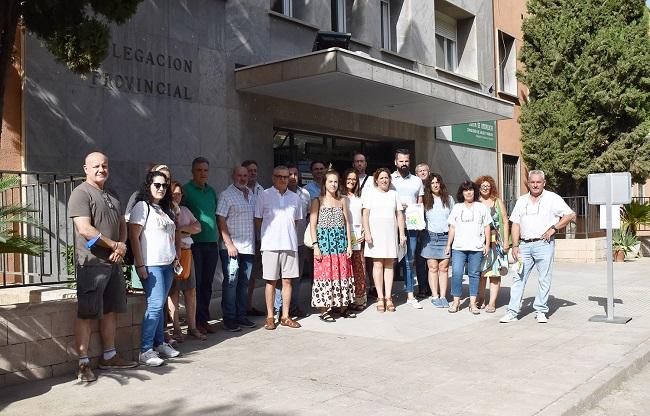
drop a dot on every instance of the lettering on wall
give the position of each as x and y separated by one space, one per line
141 85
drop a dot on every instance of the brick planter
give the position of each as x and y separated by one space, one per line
37 339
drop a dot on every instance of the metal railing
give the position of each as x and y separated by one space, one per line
587 222
47 193
642 200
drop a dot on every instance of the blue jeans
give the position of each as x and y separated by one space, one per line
156 288
458 260
234 296
540 254
205 257
407 263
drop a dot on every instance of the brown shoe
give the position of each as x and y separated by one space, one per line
207 328
289 322
85 374
116 362
196 333
270 324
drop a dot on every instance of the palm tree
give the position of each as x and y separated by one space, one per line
12 216
635 214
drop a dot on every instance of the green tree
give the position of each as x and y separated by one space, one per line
12 216
76 32
587 66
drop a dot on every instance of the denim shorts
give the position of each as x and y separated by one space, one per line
433 245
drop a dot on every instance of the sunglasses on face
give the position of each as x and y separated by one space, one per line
160 185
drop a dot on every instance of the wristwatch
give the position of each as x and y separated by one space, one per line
554 228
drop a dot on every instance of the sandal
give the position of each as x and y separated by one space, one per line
347 313
380 305
178 335
453 308
326 317
390 306
289 322
195 333
474 310
490 309
270 324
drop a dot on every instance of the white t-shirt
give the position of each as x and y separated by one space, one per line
408 188
157 237
535 219
469 226
355 205
278 212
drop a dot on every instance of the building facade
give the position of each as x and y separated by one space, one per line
239 80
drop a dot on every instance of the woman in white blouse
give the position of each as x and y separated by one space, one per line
152 234
469 240
351 192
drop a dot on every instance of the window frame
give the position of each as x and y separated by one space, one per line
507 62
384 7
339 18
449 34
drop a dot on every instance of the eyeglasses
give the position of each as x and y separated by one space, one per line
531 210
160 185
485 187
107 200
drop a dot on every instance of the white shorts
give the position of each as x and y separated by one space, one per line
279 264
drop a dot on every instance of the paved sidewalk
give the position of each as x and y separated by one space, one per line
412 362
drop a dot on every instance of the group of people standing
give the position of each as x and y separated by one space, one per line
353 224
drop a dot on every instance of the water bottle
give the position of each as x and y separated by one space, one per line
233 268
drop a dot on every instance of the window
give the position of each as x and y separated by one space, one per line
338 16
507 63
510 166
446 36
385 24
282 6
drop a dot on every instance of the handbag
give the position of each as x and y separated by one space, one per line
185 260
414 217
307 238
128 256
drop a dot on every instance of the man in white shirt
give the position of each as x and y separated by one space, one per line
277 213
304 256
360 164
410 191
536 217
235 212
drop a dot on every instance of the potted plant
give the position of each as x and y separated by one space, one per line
633 215
623 243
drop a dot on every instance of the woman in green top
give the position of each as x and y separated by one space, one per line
494 262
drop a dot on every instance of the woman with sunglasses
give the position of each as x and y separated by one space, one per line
494 266
469 240
437 205
152 233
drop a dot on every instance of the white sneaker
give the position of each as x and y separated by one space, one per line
150 358
541 318
508 317
167 351
414 302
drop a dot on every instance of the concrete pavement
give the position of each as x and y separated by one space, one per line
412 362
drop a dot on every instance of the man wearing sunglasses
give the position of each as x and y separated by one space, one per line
536 218
278 212
100 233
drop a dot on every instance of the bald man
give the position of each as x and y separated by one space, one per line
100 233
235 213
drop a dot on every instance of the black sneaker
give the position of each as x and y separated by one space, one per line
246 323
231 326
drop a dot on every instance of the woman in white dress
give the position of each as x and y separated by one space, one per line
351 178
383 222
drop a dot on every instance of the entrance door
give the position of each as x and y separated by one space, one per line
301 148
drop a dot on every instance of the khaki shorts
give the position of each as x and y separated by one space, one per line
279 264
100 290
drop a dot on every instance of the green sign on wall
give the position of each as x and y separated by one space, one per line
481 134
